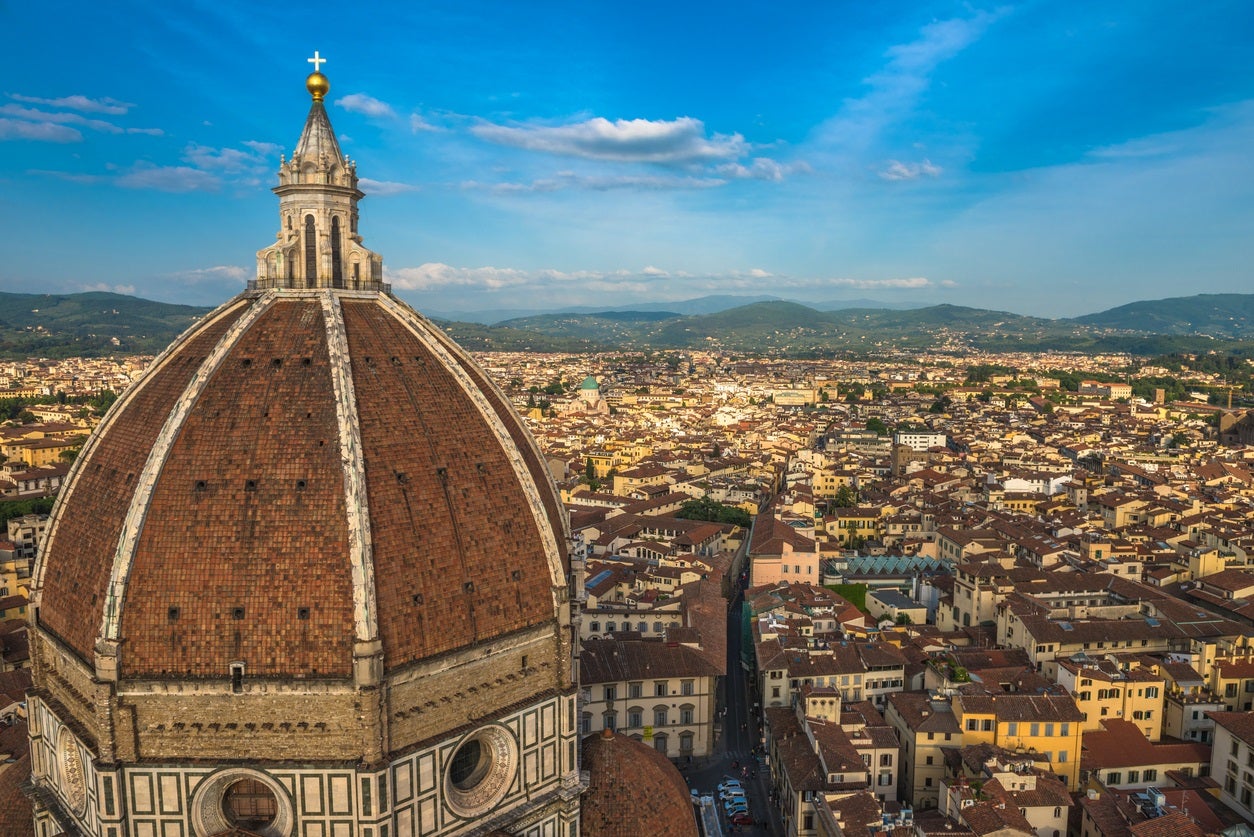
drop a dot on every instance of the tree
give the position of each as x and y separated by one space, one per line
590 470
713 511
877 426
846 497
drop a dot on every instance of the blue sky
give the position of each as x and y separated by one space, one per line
1049 158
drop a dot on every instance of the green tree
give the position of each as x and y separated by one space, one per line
713 511
877 426
846 497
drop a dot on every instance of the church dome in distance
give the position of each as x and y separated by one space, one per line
633 790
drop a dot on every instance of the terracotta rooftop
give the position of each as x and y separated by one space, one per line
226 492
633 790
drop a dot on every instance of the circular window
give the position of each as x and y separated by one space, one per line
470 765
250 805
247 800
480 771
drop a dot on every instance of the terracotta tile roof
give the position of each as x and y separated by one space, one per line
632 790
1240 724
1122 744
243 551
614 660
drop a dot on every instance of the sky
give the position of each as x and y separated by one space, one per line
1046 158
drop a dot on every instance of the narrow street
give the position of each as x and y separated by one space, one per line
734 754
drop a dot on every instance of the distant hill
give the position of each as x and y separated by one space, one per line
95 324
711 304
1214 315
89 324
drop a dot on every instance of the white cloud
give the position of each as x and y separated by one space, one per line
436 275
231 272
870 284
19 129
598 183
384 187
418 124
678 141
229 160
367 105
897 170
35 115
761 168
78 102
650 270
169 179
102 287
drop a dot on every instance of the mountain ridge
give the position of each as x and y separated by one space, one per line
100 323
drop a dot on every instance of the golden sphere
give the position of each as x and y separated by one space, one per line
317 85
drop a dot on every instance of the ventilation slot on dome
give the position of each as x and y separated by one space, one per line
468 587
250 485
516 575
300 485
306 361
302 613
276 362
237 613
246 362
201 485
418 598
173 614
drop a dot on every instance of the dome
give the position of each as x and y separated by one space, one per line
300 472
310 573
633 790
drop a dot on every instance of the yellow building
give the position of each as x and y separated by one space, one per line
1102 690
1048 725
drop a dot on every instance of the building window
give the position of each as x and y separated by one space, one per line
659 689
595 627
585 723
685 714
311 252
1134 776
1012 728
1150 775
249 804
634 689
1114 778
337 269
610 721
611 693
1066 730
972 725
886 760
635 718
686 687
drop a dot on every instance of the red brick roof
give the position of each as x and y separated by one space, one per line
243 549
633 790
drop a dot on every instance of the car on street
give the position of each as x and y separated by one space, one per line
743 818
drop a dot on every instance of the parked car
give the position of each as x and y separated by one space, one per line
743 818
738 807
